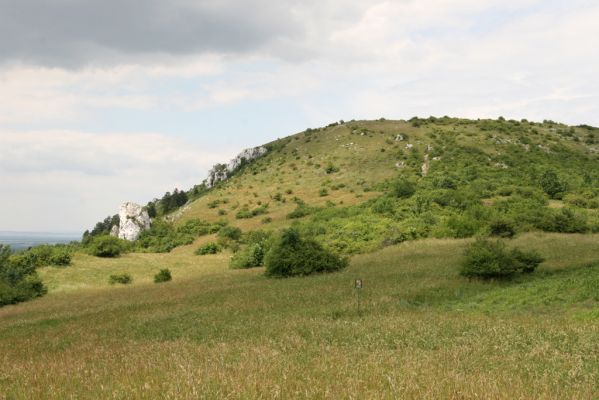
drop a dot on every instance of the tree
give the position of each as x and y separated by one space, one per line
552 185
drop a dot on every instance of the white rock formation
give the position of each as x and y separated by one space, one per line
221 172
133 221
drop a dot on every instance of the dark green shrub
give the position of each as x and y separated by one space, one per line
527 262
552 185
60 257
403 188
228 237
490 259
292 255
208 248
229 232
331 169
563 220
502 227
164 275
300 211
123 278
323 192
106 246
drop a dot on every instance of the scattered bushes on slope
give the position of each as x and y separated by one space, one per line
490 259
292 255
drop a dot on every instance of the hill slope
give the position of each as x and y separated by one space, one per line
464 175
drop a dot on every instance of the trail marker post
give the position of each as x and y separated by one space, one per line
358 284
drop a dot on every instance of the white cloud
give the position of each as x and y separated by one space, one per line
323 60
67 180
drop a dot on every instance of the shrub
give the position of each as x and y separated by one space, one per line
564 220
18 279
552 185
403 188
323 192
331 169
250 257
490 259
164 275
502 227
106 246
300 211
60 257
292 255
229 232
123 278
208 248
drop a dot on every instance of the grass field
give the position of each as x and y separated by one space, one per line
422 331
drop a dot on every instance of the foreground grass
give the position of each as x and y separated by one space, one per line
422 331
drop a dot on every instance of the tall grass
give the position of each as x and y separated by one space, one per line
424 331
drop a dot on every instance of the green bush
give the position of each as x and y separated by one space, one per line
229 236
292 255
164 275
300 211
403 188
18 279
229 232
123 278
106 246
502 227
490 259
249 257
208 248
552 185
563 220
60 257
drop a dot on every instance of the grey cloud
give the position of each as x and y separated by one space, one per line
72 33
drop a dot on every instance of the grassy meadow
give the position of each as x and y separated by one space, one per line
422 331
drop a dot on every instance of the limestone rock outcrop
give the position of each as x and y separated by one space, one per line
221 172
133 221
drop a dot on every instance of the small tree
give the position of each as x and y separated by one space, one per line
551 184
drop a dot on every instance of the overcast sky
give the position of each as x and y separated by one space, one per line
105 101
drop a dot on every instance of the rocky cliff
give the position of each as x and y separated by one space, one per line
133 221
221 172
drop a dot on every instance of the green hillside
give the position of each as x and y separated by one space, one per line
465 174
402 200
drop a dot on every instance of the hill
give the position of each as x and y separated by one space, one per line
402 200
361 185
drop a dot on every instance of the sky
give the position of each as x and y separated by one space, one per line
107 101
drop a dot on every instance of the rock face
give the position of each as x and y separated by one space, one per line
133 221
221 172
